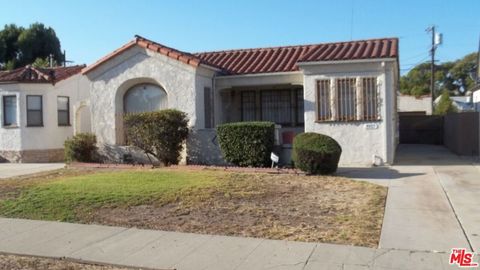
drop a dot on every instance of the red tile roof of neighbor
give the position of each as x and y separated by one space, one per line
29 74
272 59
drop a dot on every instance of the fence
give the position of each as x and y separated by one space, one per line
461 133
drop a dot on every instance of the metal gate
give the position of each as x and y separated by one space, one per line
421 129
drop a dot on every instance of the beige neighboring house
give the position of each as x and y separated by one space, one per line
346 90
36 112
412 105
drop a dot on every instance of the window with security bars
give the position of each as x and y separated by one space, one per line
370 99
248 105
276 106
346 99
281 106
324 112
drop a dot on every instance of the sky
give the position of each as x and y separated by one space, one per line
90 29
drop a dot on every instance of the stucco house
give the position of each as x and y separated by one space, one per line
346 90
36 107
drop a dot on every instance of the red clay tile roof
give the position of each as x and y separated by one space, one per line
284 59
184 57
266 60
29 74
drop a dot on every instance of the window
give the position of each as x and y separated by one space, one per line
349 105
208 107
324 112
346 99
9 111
144 98
276 106
281 106
248 105
63 111
34 111
370 99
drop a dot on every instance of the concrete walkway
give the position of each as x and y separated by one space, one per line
432 201
183 251
8 170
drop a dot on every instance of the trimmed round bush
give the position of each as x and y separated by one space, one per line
81 147
247 144
316 153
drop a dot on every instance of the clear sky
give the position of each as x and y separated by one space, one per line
89 29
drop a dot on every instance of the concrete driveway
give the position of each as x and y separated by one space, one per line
432 201
8 170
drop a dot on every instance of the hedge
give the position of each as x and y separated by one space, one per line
316 153
247 144
81 147
161 133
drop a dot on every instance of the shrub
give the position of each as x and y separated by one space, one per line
316 153
445 105
247 143
161 133
81 147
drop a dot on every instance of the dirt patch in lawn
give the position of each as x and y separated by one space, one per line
287 207
14 262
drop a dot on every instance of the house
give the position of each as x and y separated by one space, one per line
412 105
461 103
476 98
346 90
36 111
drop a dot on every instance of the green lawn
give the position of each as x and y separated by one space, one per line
288 207
67 197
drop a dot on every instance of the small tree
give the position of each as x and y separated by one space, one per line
160 133
445 105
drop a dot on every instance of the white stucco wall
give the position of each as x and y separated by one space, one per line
183 83
50 135
360 140
415 104
10 137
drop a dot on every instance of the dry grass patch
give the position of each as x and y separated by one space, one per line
290 207
14 262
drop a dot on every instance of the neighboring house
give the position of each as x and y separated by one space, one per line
36 112
412 105
462 103
346 90
476 99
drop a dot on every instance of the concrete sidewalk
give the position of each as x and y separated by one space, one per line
183 251
8 170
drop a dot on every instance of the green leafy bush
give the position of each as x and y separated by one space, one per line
161 133
316 153
247 143
81 147
445 105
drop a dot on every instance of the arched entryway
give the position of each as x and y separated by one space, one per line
82 120
136 96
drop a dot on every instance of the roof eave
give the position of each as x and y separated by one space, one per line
368 60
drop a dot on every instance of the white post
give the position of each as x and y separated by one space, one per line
333 98
359 98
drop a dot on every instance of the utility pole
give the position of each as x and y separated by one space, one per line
436 40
